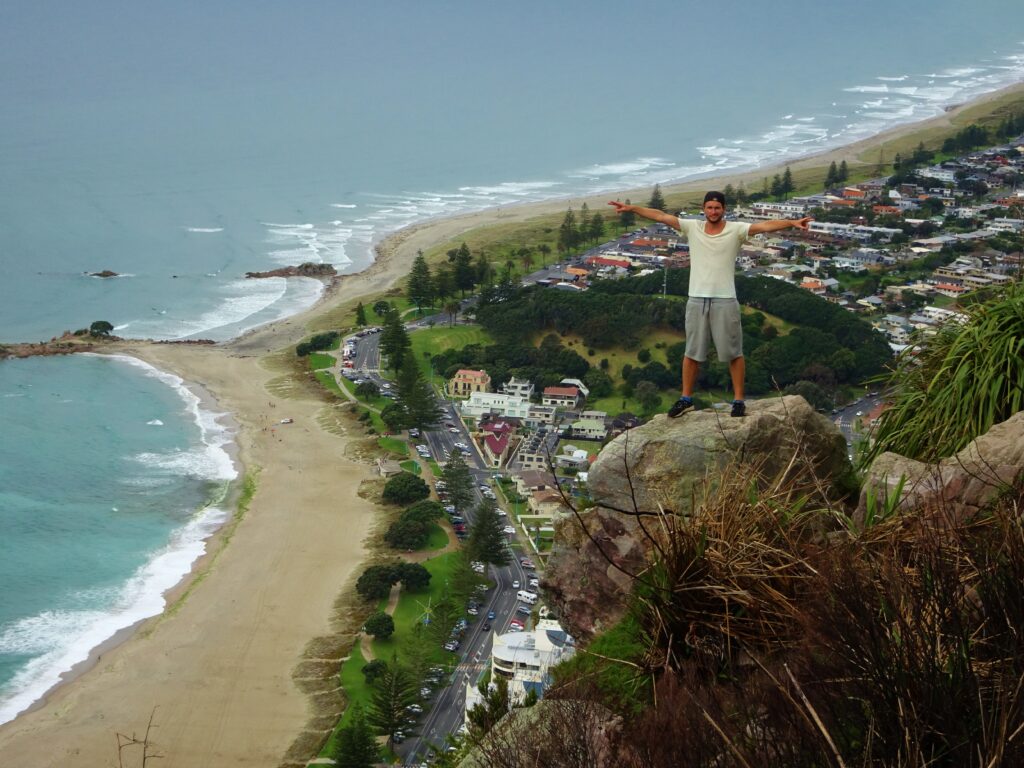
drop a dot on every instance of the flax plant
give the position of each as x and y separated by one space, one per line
965 379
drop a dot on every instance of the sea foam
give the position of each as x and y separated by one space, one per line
60 639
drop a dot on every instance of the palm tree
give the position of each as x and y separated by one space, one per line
545 251
452 308
525 258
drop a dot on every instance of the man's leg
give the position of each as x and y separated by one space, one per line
691 369
737 372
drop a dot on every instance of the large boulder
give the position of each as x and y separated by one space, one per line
961 484
659 465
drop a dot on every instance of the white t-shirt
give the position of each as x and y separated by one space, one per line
713 257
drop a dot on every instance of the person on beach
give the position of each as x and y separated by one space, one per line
712 311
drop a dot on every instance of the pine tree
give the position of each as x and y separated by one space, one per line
493 706
831 178
465 274
486 538
443 615
596 227
583 223
360 314
627 219
394 340
356 746
568 235
459 481
776 186
657 201
444 282
484 269
730 195
419 285
416 397
393 691
844 173
787 182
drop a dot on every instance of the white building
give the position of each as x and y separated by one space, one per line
480 403
859 232
518 387
529 656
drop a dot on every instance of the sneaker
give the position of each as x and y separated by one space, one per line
680 406
739 408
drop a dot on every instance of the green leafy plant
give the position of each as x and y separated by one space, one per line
965 379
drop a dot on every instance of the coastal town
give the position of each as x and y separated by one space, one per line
899 255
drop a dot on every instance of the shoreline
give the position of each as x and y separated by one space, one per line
220 665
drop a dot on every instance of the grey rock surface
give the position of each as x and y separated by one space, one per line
963 483
660 464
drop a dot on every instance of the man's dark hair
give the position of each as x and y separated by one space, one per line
714 195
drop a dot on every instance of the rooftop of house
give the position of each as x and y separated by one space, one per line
562 391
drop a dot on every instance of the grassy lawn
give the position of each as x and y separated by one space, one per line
589 446
356 690
411 466
438 539
375 402
613 405
327 380
513 508
394 445
411 606
427 342
319 360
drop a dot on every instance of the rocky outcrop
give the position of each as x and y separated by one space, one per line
308 269
104 273
659 465
962 484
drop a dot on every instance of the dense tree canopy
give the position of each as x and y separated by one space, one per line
380 625
405 488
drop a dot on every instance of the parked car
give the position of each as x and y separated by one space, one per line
523 609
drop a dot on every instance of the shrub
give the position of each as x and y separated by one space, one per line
380 625
967 378
425 511
405 488
407 534
375 582
373 669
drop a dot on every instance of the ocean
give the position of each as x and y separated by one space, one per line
184 144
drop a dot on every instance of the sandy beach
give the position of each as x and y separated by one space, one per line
224 668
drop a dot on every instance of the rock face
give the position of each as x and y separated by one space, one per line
963 483
104 273
308 269
660 463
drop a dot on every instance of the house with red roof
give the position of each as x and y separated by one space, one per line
562 397
495 448
605 261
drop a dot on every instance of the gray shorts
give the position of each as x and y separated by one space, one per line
717 319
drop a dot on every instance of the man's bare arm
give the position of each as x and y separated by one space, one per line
648 213
777 224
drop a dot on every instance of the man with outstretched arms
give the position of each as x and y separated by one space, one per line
712 311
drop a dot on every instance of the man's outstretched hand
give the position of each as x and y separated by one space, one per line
803 223
619 207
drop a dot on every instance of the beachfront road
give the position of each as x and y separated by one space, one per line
446 712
